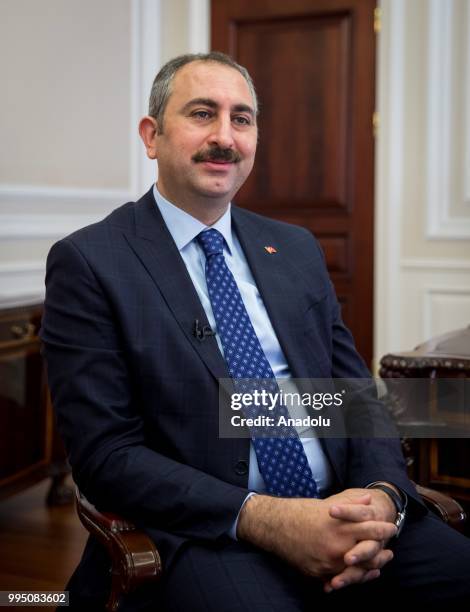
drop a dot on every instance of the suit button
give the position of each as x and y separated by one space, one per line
241 467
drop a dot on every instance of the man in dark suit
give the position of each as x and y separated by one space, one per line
146 310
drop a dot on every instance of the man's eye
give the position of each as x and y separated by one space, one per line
201 114
242 120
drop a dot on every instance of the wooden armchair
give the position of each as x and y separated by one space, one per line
446 508
135 559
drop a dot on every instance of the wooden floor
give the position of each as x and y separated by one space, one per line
39 546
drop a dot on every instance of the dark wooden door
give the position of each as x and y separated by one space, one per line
313 64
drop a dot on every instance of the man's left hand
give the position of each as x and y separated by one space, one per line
381 508
367 555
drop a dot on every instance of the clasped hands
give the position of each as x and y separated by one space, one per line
365 559
341 539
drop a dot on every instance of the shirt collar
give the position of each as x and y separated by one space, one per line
184 227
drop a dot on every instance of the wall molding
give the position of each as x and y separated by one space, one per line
457 265
52 212
390 177
467 105
441 224
198 26
146 58
429 294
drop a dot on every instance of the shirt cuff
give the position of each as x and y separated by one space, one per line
232 532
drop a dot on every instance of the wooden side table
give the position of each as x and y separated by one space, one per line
30 447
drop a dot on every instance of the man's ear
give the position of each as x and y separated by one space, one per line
148 132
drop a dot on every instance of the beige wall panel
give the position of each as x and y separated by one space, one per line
64 115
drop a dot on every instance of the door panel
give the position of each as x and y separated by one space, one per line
313 63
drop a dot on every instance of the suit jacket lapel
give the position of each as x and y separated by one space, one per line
156 249
274 276
278 286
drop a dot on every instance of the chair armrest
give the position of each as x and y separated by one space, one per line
103 520
134 557
448 509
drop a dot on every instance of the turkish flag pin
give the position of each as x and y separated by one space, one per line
270 249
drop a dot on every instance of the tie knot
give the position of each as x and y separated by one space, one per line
212 242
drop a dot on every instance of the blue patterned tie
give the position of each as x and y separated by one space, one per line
281 457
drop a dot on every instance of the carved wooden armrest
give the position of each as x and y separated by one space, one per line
134 557
449 510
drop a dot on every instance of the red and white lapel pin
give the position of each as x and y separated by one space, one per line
270 249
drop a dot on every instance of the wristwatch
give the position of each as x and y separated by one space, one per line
399 501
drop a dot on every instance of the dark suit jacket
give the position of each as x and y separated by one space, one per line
136 394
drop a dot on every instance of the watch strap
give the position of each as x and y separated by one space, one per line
398 501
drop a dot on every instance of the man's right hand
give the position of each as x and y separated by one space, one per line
303 532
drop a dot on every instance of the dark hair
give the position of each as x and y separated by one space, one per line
162 84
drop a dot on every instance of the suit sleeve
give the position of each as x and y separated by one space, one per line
369 458
96 406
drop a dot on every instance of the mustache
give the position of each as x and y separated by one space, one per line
216 154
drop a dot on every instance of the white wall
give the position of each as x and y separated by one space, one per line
77 77
423 172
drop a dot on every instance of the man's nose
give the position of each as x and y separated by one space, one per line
222 133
